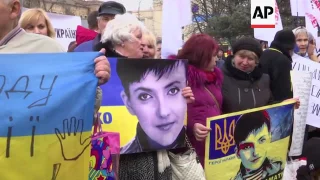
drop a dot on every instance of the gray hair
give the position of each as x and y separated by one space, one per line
300 30
120 29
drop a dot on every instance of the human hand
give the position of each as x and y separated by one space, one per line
72 144
188 94
297 100
102 68
200 131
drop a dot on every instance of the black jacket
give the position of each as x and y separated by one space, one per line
110 52
277 62
243 91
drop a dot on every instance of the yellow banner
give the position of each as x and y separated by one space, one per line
251 144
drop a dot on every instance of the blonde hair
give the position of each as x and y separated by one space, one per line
151 38
34 15
249 54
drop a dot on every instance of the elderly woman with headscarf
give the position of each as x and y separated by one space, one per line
122 38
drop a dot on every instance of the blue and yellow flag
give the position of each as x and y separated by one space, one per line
47 105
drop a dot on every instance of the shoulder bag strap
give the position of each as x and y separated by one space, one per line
214 98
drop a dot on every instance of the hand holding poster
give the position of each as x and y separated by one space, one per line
251 144
47 105
143 102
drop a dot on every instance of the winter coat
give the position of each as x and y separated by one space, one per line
83 35
204 85
277 63
243 91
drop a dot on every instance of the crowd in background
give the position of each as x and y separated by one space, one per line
254 75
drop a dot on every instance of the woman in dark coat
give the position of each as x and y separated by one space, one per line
245 86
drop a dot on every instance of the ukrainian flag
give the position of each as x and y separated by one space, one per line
47 105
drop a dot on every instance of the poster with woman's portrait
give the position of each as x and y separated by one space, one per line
143 102
251 144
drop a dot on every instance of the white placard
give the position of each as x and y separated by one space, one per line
65 27
298 7
303 64
175 15
301 82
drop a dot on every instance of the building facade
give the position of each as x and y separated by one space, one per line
151 18
68 7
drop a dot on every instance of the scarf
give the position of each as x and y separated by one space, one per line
199 77
256 74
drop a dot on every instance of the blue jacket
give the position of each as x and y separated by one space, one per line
84 47
88 46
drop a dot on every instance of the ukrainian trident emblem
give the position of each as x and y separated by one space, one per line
224 138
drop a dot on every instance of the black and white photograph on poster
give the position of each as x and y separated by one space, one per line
146 103
152 93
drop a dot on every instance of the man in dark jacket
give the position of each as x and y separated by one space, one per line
276 61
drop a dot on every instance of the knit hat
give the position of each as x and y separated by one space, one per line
286 38
249 44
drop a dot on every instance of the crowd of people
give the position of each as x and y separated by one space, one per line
253 76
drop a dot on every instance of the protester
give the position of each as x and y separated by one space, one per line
37 21
93 21
14 39
245 86
83 34
106 12
220 55
305 43
277 63
221 58
312 48
148 43
122 38
119 43
158 52
205 80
